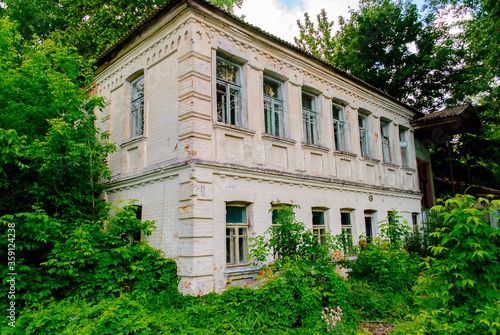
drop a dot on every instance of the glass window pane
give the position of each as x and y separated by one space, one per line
227 71
318 218
307 101
272 88
236 214
345 219
337 112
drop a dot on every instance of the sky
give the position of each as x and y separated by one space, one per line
279 17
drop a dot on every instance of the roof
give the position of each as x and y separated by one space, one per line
169 4
447 112
449 121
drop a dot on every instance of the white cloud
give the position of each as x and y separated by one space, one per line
274 17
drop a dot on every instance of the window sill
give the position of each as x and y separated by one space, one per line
237 272
344 153
278 139
407 168
315 146
226 126
369 159
133 141
390 164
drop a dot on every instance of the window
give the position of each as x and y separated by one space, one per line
339 130
228 92
368 226
363 135
386 144
403 144
136 234
345 220
273 107
137 107
319 227
414 221
310 117
236 234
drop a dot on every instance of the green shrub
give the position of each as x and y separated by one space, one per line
460 288
372 304
56 258
385 268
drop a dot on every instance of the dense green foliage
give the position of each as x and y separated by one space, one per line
91 26
459 289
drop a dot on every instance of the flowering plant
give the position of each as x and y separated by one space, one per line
332 316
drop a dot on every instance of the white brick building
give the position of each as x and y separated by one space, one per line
215 120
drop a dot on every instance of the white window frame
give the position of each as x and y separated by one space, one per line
386 141
310 120
274 110
137 108
363 135
235 237
227 93
339 128
403 144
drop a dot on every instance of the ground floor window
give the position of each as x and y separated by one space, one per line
345 220
319 226
236 234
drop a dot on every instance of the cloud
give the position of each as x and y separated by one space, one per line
279 17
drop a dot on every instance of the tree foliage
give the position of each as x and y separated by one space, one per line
387 44
91 26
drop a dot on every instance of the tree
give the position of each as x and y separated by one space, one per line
388 45
91 26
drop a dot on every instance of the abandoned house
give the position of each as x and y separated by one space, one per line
216 121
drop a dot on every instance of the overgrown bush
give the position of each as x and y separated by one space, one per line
58 259
304 280
387 269
459 290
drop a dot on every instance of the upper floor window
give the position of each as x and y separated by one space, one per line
228 92
386 144
236 234
310 118
403 144
339 128
137 107
363 135
273 107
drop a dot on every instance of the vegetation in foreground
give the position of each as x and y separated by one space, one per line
109 286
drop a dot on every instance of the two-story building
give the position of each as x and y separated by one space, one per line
216 121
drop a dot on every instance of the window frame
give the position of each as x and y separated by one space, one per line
403 145
363 134
231 89
348 247
310 120
386 141
339 128
273 113
319 230
234 253
137 114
